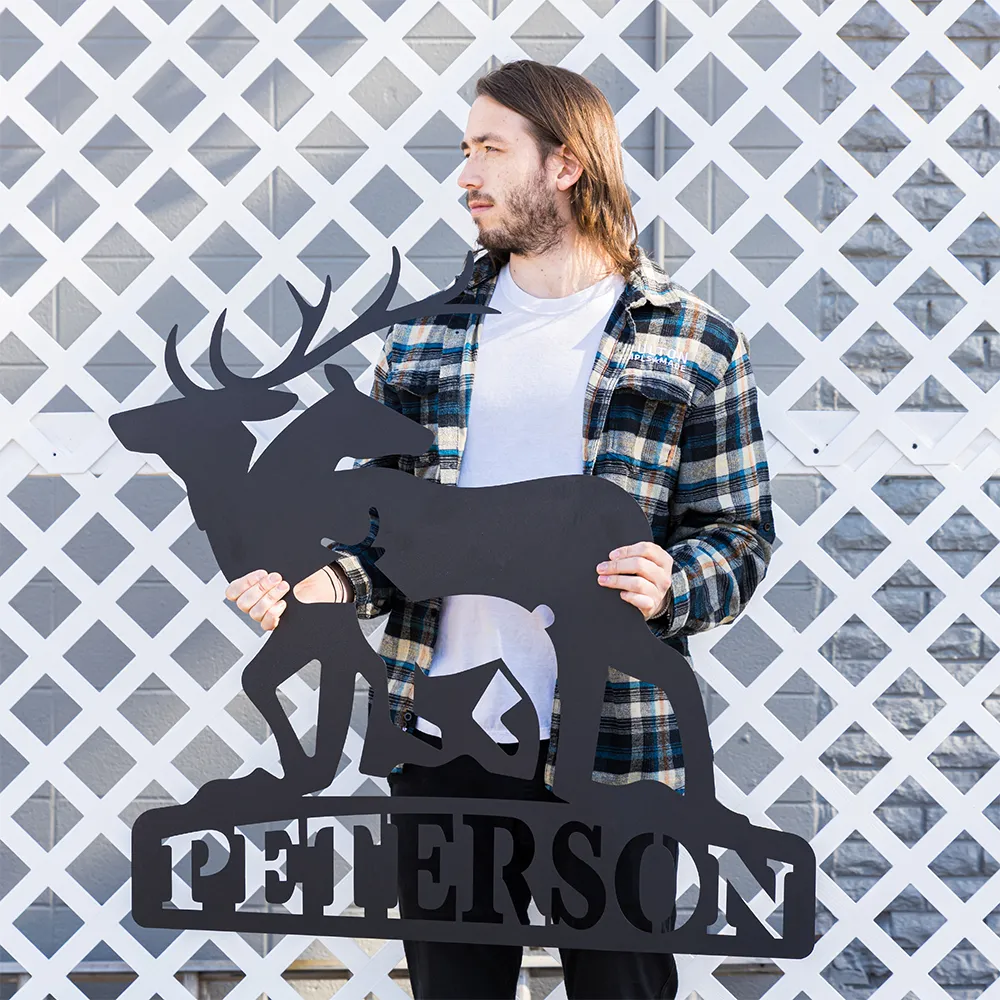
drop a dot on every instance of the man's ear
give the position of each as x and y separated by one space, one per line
572 165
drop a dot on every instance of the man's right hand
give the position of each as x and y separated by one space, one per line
262 594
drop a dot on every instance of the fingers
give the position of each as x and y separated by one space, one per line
256 591
271 616
641 572
241 585
647 605
640 593
636 586
645 550
638 566
267 602
260 594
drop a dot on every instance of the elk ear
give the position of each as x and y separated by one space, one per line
339 378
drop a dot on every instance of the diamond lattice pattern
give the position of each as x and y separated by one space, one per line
163 160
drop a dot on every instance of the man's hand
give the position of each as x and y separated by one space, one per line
642 573
261 594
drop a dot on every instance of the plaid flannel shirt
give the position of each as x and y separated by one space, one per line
671 417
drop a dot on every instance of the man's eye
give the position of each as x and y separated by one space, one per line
489 147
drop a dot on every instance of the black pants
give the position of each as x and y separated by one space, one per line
441 971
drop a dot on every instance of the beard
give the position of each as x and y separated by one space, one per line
533 226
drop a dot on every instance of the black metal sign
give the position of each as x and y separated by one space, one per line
603 872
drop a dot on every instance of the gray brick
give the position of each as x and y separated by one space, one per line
944 88
965 968
963 750
974 131
929 203
855 670
854 531
978 21
906 822
874 238
960 858
981 239
836 87
853 561
796 711
974 351
909 715
855 641
915 90
794 817
859 858
872 21
961 562
963 778
961 641
908 576
963 672
856 749
856 886
907 496
911 930
907 606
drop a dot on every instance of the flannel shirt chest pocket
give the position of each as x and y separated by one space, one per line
415 382
640 447
648 407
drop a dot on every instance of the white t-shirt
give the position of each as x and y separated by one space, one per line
525 422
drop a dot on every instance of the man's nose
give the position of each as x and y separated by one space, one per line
467 178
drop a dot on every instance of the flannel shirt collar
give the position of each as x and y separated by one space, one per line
648 282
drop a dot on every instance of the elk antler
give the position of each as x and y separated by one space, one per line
174 369
312 316
375 317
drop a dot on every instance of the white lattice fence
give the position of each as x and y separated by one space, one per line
129 203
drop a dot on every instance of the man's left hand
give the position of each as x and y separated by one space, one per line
642 573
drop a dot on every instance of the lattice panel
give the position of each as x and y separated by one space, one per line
162 161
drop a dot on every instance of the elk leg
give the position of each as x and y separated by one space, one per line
261 678
625 642
383 745
386 745
304 629
669 670
582 676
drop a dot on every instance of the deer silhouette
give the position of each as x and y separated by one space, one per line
532 543
522 542
277 512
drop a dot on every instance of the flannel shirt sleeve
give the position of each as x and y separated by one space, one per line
373 592
721 526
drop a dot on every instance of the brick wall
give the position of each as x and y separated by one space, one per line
909 812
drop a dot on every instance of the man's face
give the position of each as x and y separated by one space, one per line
503 173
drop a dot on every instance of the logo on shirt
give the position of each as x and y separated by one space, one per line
671 357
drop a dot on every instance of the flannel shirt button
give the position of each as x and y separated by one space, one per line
407 716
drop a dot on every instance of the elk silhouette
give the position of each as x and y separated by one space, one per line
534 542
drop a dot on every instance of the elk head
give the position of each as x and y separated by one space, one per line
201 435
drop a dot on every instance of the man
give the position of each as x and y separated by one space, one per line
588 328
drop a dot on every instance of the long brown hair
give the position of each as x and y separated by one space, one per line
564 107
